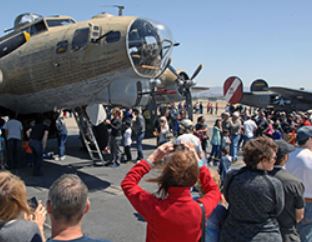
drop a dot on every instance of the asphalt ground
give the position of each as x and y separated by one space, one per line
111 216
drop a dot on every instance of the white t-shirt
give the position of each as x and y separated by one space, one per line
249 128
127 137
299 164
14 129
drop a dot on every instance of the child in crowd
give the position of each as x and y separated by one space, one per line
225 163
216 141
127 141
226 140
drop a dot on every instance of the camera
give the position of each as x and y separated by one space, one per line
33 203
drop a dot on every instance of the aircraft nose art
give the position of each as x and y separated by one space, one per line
149 46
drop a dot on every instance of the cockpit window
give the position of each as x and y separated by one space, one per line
81 38
37 28
59 22
26 18
9 45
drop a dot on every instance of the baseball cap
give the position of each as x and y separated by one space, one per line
186 124
304 133
236 114
283 148
226 114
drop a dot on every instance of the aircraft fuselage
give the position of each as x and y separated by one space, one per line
73 65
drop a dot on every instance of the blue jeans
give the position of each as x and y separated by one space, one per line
139 139
234 145
175 127
215 152
305 226
225 165
213 224
61 140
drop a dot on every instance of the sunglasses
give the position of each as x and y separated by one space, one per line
179 147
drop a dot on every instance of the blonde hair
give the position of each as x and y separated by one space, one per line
117 111
13 197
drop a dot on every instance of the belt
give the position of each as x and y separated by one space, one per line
308 200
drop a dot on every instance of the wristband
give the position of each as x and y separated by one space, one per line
201 163
149 162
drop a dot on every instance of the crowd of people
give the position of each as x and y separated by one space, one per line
200 197
25 144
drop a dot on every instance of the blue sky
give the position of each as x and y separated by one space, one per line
268 39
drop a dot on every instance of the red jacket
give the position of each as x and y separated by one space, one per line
176 218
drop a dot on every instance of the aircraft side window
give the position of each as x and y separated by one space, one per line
38 28
8 46
113 36
59 22
62 47
80 39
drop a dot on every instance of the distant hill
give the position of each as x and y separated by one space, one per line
212 93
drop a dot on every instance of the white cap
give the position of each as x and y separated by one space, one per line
186 123
236 114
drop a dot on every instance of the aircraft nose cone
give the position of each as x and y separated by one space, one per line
149 47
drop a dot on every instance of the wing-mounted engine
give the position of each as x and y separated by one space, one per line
176 84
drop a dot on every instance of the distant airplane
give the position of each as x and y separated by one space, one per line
297 99
278 98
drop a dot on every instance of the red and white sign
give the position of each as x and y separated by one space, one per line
233 90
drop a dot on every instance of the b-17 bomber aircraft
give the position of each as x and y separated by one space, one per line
49 63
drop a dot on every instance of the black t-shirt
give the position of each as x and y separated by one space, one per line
116 125
293 189
101 134
37 131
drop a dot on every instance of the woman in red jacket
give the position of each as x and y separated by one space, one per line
172 215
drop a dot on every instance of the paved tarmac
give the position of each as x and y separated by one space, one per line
111 216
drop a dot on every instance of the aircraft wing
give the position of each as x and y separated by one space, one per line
199 89
259 99
302 96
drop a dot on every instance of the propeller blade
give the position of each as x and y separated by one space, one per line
188 102
174 71
199 68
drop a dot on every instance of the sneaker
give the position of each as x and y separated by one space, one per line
63 157
115 165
